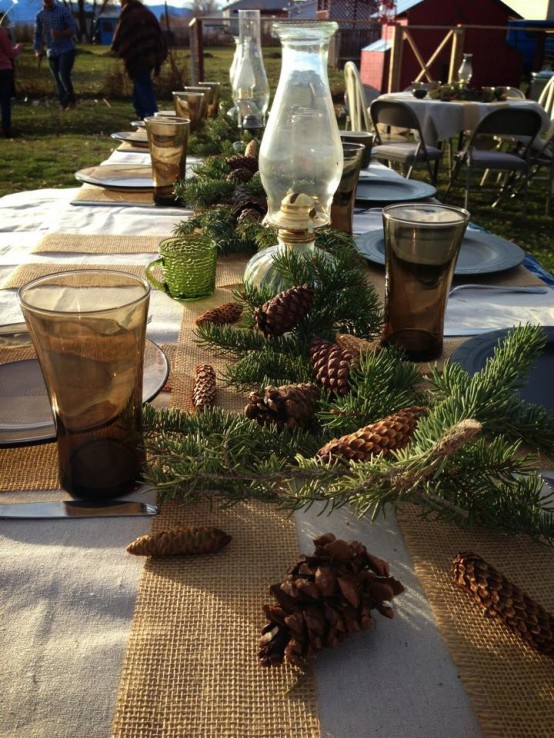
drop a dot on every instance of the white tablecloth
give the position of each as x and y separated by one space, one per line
68 587
440 120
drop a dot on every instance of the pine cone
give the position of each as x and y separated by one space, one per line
238 161
251 149
323 599
203 393
239 175
288 406
357 347
284 311
501 599
249 214
392 432
331 365
229 312
180 541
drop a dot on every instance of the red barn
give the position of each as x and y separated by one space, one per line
495 62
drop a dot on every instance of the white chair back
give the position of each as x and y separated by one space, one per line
546 98
358 115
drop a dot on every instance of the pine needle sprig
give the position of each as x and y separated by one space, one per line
259 369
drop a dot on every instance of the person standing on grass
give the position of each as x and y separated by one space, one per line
8 53
139 41
55 28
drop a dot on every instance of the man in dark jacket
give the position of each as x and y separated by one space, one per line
139 41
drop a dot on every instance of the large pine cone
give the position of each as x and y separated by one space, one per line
249 214
392 432
501 599
325 598
239 175
288 406
331 365
240 161
357 347
284 311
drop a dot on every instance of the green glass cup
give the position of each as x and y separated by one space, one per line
188 265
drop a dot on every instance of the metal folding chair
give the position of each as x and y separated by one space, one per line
513 123
408 154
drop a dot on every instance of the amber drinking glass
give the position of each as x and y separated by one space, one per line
422 243
88 329
342 207
192 105
167 142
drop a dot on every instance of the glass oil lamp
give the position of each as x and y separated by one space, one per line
465 72
301 149
249 85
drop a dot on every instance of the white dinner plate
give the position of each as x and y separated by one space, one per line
391 189
25 414
481 252
118 176
137 138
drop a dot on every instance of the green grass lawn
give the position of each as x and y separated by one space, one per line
51 145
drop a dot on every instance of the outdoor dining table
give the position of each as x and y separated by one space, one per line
442 120
97 643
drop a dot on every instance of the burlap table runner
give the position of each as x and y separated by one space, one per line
85 243
191 668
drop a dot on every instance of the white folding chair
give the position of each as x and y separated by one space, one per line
357 106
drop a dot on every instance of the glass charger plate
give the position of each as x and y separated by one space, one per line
481 252
390 189
538 387
25 415
137 138
118 176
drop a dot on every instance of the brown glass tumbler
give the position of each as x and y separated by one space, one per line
342 207
88 328
167 142
422 243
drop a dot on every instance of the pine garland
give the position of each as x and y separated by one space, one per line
456 466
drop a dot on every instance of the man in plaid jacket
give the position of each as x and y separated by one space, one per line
55 29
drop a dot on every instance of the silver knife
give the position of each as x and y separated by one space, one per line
77 509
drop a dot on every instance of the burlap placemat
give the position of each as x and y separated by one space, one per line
511 685
91 194
85 243
130 148
26 272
